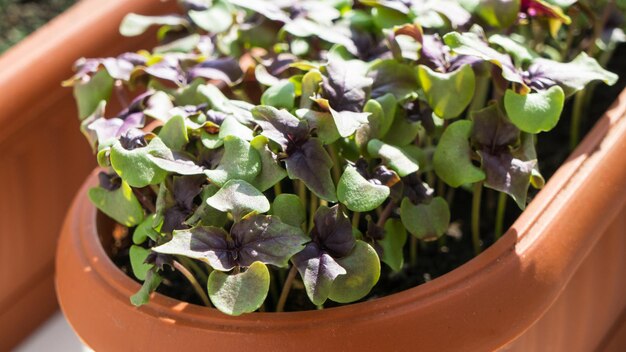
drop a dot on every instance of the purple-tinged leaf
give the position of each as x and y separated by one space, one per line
175 162
318 271
345 87
208 244
280 126
332 231
508 174
572 76
266 239
224 69
491 128
311 163
471 44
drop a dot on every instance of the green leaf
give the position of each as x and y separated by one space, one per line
271 172
347 122
393 244
310 86
216 19
280 95
135 167
205 214
535 112
264 7
174 133
521 53
289 208
145 230
499 13
452 160
121 204
387 18
88 95
396 158
322 122
371 129
393 77
425 221
402 130
358 194
448 94
303 27
362 272
318 270
388 103
239 198
240 293
211 140
240 161
153 280
138 256
232 127
470 44
133 24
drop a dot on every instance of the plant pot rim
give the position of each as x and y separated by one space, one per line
522 274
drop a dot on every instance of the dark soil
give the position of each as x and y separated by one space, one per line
440 257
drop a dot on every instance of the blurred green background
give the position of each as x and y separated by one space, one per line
18 18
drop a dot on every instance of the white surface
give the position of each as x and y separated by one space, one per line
55 335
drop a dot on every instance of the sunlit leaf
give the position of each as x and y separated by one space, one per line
452 160
535 112
235 294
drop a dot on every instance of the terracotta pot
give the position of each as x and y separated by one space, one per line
43 156
554 282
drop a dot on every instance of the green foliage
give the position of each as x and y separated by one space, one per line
320 134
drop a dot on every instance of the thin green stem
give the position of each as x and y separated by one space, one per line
413 251
476 198
278 189
301 191
480 93
500 215
336 172
356 218
577 116
194 267
280 306
194 283
312 209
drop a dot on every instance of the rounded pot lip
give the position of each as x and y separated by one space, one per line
520 243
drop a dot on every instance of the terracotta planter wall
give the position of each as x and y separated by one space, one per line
554 282
43 156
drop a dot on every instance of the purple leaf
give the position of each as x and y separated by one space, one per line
280 126
266 239
318 271
310 163
345 87
508 174
332 231
491 128
223 69
208 244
